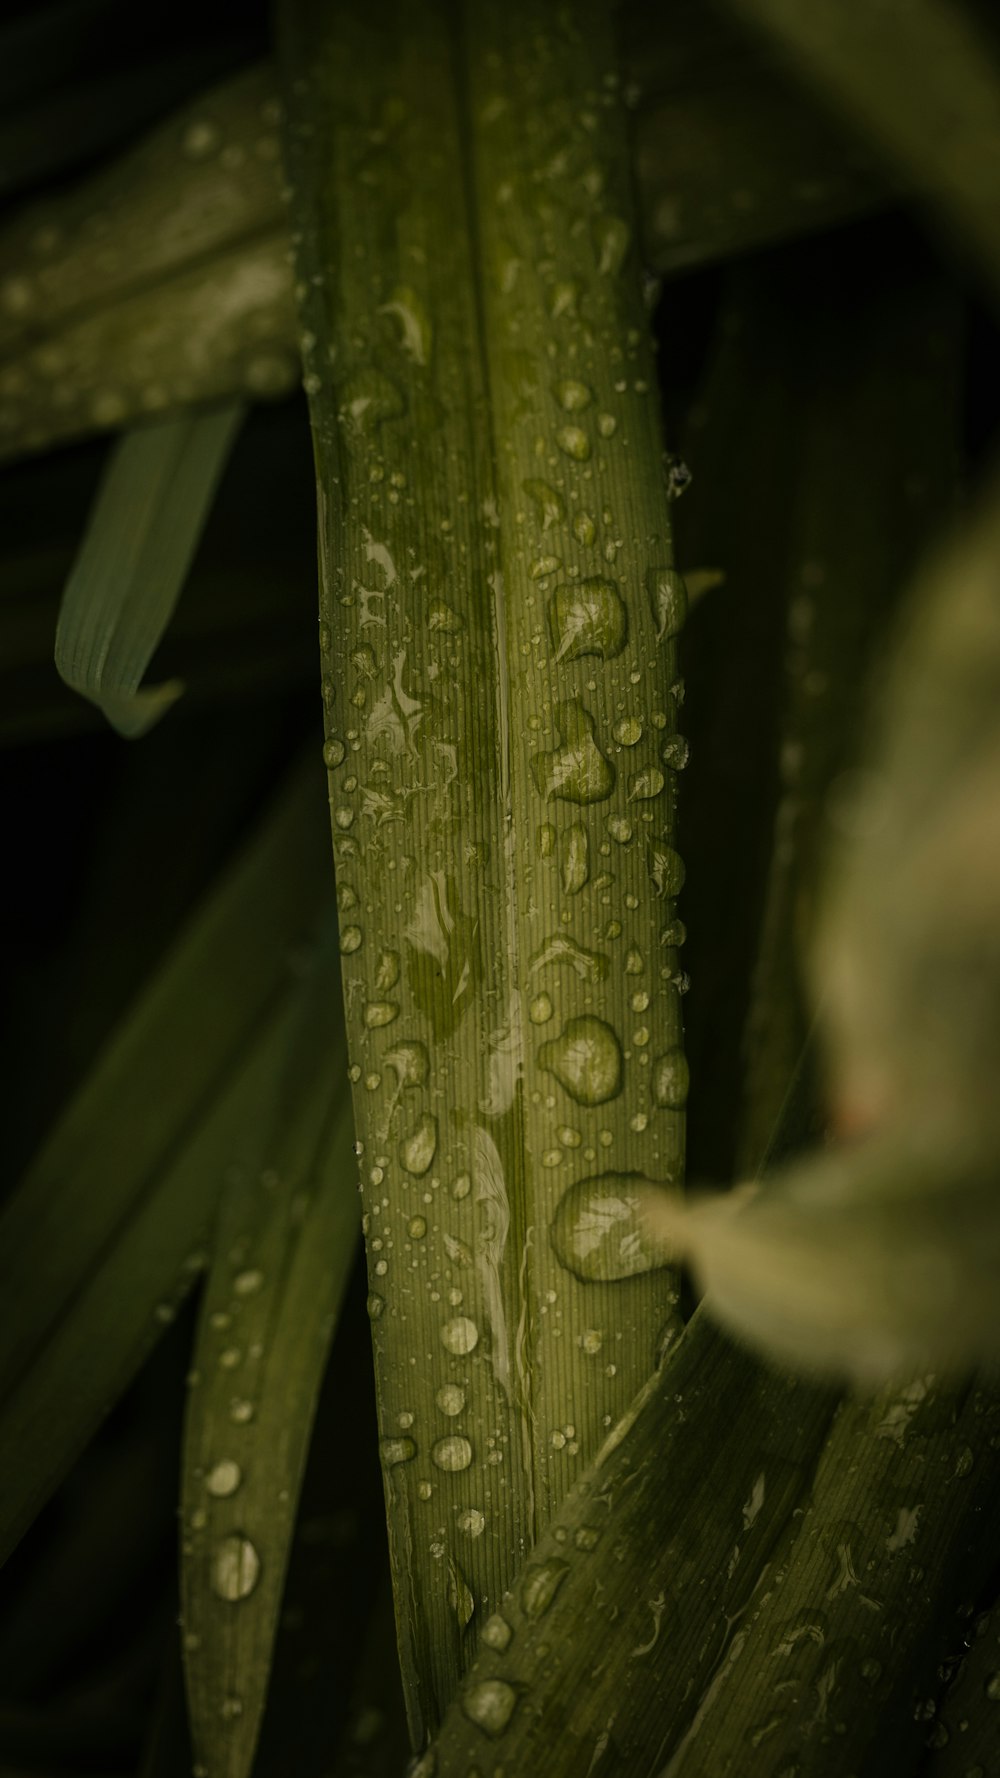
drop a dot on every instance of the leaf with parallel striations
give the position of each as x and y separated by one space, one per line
497 705
143 532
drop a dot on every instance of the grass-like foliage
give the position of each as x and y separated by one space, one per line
655 1433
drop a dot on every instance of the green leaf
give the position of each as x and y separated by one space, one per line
621 1618
923 81
285 1239
499 610
143 532
106 1231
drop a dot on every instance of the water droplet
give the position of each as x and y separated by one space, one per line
576 770
586 1060
584 529
564 298
415 325
417 1227
569 1137
450 1399
549 502
586 1537
590 966
223 1478
607 426
497 1633
573 442
410 1062
575 861
460 1595
375 1305
620 829
573 396
490 1704
670 1080
418 1150
612 236
397 1450
235 1568
546 840
544 567
351 939
992 1688
369 398
460 1335
666 869
678 477
587 617
675 752
452 1453
442 617
540 1009
462 1186
540 1585
472 1521
333 754
380 1012
669 600
591 1341
201 138
634 964
627 731
644 785
241 1412
600 1232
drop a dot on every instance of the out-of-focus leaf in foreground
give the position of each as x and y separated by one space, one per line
106 1231
882 1257
143 532
923 79
285 1237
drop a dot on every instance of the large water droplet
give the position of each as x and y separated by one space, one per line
586 1060
351 939
540 1585
642 786
669 1080
575 859
223 1478
668 598
627 731
666 869
584 529
379 1013
497 1632
575 771
235 1568
611 242
367 399
471 1521
410 1062
590 966
416 329
490 1704
460 1595
418 1150
450 1399
573 442
675 752
550 504
572 395
333 754
460 1335
452 1453
397 1450
587 617
600 1230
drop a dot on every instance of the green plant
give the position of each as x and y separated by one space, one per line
620 1538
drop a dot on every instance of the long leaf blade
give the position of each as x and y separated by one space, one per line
285 1240
143 531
